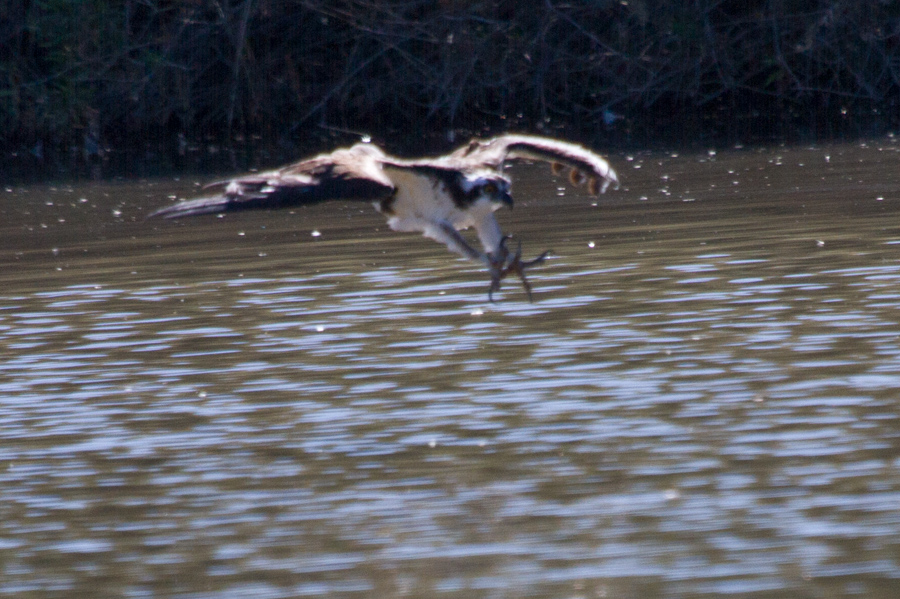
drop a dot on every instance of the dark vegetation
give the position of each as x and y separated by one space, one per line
167 81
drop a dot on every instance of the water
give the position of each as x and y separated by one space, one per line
702 401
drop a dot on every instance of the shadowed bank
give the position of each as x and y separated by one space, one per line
184 84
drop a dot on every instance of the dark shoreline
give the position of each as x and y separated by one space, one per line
158 87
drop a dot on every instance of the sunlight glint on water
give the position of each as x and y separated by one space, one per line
702 401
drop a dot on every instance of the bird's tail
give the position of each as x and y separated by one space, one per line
208 205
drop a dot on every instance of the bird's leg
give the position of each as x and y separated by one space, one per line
497 267
495 261
502 264
517 266
447 234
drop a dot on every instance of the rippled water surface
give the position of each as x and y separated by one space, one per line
702 401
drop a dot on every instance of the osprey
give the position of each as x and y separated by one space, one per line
437 196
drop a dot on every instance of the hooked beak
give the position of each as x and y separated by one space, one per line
506 199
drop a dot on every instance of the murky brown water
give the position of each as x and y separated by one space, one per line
702 401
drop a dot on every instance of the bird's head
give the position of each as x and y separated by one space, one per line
492 187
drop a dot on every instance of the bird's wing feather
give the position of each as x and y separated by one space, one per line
586 166
352 174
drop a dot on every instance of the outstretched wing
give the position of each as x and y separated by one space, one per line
586 166
353 174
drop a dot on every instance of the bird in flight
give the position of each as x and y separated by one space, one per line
438 196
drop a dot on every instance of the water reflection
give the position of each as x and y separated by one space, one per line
701 402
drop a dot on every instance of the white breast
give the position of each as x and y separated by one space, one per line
421 204
420 196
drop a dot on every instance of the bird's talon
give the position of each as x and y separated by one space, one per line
502 264
539 260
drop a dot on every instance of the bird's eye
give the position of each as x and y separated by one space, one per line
489 188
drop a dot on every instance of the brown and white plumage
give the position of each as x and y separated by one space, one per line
437 196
